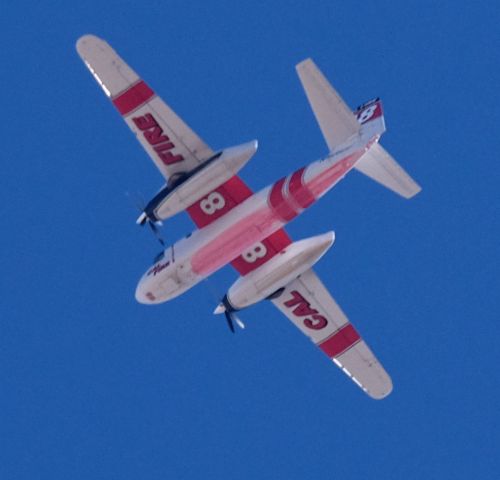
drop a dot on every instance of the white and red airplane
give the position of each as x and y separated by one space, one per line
243 228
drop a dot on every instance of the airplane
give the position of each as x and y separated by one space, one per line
246 229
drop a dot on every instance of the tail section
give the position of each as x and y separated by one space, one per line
334 117
370 116
340 125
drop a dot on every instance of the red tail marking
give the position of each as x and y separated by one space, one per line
279 203
340 341
370 112
135 96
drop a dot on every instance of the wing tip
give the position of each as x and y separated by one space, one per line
304 64
89 44
84 40
415 190
385 389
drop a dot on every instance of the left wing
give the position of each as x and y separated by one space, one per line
307 303
172 145
168 140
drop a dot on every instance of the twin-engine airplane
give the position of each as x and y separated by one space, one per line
243 228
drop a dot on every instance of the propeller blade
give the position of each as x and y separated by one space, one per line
229 320
239 322
156 232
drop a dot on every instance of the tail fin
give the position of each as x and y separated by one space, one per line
335 118
339 125
370 116
377 164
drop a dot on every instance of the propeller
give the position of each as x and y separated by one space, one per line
156 231
229 319
230 314
232 318
139 203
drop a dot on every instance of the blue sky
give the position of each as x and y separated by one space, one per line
94 385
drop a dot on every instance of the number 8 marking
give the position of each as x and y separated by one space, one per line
215 201
365 115
259 250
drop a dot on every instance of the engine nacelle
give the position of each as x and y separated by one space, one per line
278 272
190 187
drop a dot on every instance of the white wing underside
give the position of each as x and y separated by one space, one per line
338 339
116 78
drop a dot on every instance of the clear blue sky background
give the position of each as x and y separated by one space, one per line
96 386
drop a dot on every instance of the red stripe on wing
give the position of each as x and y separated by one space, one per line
132 98
340 341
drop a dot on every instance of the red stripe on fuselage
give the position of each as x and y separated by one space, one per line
132 98
340 341
279 203
298 191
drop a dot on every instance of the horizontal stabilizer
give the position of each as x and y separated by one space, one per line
335 118
381 167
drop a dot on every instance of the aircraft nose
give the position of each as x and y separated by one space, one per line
144 293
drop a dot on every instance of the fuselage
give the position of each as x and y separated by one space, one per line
242 229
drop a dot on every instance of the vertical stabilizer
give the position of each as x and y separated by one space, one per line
335 118
370 116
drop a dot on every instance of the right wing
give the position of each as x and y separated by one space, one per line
170 143
335 118
307 303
